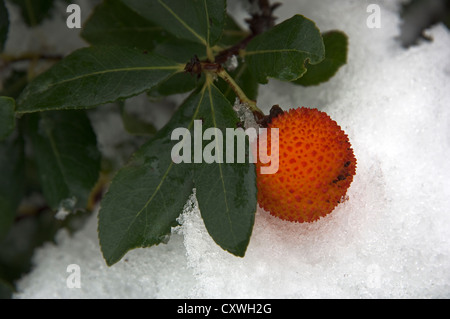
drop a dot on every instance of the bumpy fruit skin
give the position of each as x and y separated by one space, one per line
316 166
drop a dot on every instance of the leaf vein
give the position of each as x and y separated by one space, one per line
220 167
103 72
183 23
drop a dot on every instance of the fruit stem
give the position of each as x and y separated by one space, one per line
221 72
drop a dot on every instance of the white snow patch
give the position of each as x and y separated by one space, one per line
245 115
65 208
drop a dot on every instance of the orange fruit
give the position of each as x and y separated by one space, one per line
316 166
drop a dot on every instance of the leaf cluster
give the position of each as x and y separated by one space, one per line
161 48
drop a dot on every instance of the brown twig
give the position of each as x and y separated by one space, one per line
261 20
265 120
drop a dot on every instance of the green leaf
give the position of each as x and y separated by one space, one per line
113 23
4 24
176 84
200 21
147 195
7 116
18 247
6 290
226 192
34 12
14 84
232 32
93 76
12 180
134 125
336 44
282 52
66 155
180 51
179 82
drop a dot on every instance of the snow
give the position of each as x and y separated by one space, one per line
389 240
65 208
232 64
245 116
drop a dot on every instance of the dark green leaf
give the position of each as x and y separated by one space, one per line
180 51
4 24
113 23
146 196
176 84
242 75
282 52
232 32
18 247
226 192
12 180
14 84
96 75
336 44
201 21
134 125
7 116
6 290
34 11
66 154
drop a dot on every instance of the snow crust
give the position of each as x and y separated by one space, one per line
389 240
